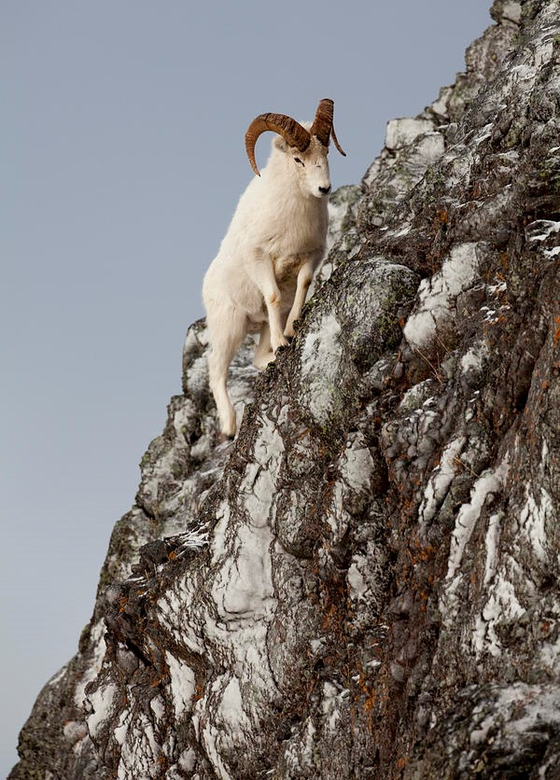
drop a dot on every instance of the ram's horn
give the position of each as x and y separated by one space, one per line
290 130
323 127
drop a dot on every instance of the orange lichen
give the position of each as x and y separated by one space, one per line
556 338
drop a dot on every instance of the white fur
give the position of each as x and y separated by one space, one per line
260 277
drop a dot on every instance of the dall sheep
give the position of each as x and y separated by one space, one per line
276 239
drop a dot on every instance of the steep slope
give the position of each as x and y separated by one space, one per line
365 583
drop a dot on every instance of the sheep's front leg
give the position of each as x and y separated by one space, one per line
304 278
263 352
261 272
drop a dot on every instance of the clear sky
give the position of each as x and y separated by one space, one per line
121 162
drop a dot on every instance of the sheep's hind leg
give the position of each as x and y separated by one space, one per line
225 339
263 352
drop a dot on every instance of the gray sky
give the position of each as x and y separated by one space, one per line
122 159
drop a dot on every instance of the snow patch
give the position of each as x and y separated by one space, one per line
514 713
355 578
139 752
299 754
121 731
330 706
97 640
157 706
183 684
258 489
320 360
174 611
436 296
546 228
228 725
220 529
356 467
532 521
440 480
491 481
474 359
501 606
231 704
243 585
257 494
101 701
491 542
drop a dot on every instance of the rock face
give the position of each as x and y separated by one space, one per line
365 583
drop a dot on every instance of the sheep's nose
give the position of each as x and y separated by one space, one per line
325 190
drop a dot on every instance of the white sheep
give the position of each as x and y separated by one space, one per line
260 277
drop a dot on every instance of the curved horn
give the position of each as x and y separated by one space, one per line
323 127
290 130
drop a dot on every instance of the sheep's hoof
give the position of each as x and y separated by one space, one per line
226 437
292 329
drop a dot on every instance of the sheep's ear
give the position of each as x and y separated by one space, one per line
280 144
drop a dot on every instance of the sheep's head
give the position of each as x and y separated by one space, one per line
308 146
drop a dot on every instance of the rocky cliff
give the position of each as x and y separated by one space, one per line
365 583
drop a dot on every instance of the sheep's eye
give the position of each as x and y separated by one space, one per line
296 159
